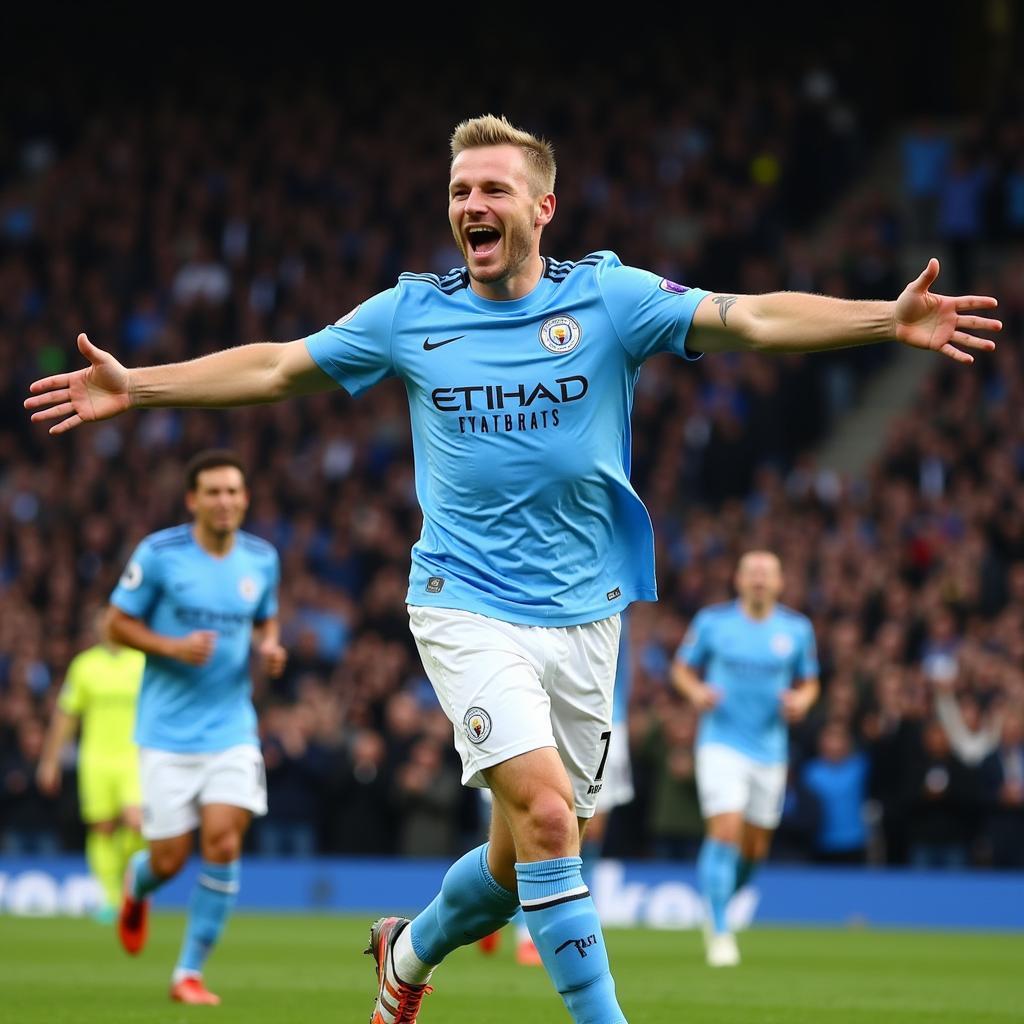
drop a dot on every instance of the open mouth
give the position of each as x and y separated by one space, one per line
483 240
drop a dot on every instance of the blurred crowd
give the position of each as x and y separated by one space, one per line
169 226
964 183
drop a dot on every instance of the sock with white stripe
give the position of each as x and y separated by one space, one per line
716 873
142 880
563 922
470 905
212 898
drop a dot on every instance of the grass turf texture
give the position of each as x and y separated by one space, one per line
279 970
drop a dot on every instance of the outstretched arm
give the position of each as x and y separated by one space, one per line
798 322
248 375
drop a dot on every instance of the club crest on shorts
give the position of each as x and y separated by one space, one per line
247 588
560 334
782 645
478 725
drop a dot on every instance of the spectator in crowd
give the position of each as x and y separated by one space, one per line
940 797
1004 781
838 779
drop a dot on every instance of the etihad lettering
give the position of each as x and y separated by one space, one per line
224 622
483 398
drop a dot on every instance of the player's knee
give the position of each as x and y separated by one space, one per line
223 847
550 826
167 862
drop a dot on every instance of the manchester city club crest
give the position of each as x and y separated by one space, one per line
782 645
247 588
560 334
478 725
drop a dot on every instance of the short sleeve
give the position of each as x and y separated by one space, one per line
807 667
693 651
267 608
356 351
650 314
73 697
140 583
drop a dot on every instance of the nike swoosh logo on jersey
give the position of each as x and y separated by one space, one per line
427 347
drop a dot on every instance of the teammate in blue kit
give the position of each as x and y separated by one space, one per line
520 372
194 598
750 667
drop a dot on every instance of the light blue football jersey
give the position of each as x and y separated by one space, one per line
750 662
176 587
521 434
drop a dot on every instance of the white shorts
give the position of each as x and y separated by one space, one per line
508 689
729 782
617 787
175 786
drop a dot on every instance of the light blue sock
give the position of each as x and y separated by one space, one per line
565 928
144 881
212 898
716 872
470 905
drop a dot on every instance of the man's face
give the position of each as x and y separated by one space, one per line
220 499
759 578
495 217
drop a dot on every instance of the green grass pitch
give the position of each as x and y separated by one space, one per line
308 969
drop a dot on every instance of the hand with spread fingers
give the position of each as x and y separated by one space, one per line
940 323
97 392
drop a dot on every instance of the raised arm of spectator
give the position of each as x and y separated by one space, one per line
799 322
247 375
971 747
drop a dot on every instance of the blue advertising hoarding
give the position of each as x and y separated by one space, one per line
656 895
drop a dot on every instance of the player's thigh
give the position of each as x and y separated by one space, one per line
581 707
487 676
723 780
767 793
97 791
235 778
170 784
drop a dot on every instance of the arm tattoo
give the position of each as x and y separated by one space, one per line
724 302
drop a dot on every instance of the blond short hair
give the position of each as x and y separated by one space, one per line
489 130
